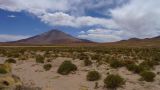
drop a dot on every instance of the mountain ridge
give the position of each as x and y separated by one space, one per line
57 37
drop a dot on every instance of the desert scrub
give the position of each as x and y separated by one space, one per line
40 59
8 82
49 60
148 64
83 56
113 81
136 68
10 60
5 68
87 62
13 54
116 63
131 67
148 76
22 58
47 67
96 57
66 67
93 76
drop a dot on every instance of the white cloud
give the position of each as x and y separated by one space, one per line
63 19
34 6
5 37
102 35
82 32
61 12
42 6
137 18
140 18
11 16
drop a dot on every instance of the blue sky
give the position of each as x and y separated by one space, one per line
22 23
96 20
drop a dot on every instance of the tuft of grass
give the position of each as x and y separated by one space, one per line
66 67
93 76
3 71
47 67
10 60
148 76
137 68
40 59
116 63
113 81
5 68
87 62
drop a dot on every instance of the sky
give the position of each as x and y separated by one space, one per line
96 20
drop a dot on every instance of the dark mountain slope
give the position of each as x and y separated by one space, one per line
52 37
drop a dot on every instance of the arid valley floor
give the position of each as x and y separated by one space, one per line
23 68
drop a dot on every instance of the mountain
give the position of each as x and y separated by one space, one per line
57 37
136 42
51 37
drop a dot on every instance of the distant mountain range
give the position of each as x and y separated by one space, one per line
136 42
57 37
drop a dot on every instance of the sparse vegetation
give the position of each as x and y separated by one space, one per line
66 67
140 61
116 63
87 62
83 56
114 81
148 76
10 60
93 76
5 68
47 67
132 67
40 59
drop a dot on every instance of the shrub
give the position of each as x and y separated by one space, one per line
11 60
3 71
87 62
147 64
131 67
15 55
47 67
49 60
116 63
39 59
148 76
113 81
136 68
96 57
5 68
93 76
66 67
128 62
83 56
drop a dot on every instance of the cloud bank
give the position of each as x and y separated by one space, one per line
5 37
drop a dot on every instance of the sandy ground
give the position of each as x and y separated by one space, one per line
33 75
